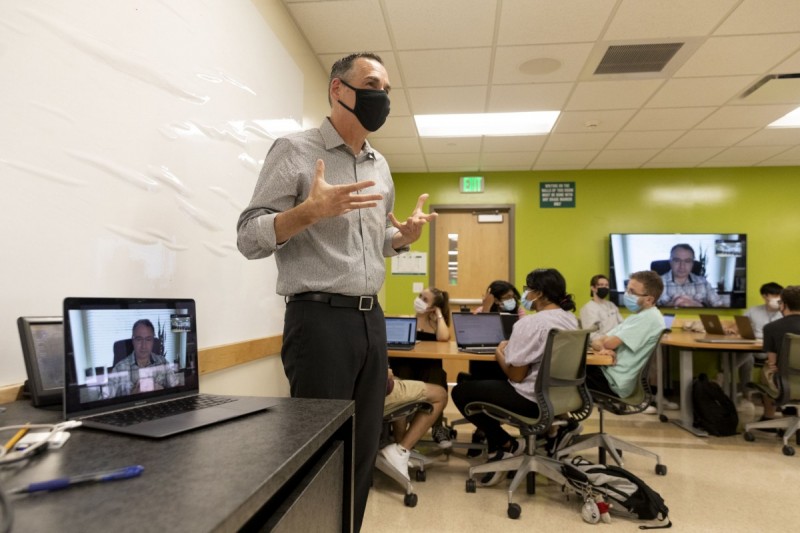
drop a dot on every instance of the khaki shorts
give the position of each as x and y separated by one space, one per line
404 391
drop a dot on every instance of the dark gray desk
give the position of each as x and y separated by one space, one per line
287 469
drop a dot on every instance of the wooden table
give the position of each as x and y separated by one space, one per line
687 344
449 351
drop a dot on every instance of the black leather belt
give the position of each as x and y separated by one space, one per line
362 303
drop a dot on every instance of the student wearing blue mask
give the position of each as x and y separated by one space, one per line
501 297
631 342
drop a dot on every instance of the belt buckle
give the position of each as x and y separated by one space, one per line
365 303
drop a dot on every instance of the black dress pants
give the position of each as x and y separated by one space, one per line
340 353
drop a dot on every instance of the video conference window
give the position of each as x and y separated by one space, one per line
698 269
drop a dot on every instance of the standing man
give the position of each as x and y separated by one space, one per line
681 287
323 205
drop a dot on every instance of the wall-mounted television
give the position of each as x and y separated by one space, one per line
720 259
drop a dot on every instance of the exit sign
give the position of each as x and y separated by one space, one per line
471 184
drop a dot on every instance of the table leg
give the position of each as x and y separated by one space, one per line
660 380
686 413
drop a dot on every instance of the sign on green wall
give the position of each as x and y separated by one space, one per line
557 194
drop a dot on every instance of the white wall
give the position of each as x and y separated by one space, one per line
128 150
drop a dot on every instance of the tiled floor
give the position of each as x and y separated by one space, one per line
712 484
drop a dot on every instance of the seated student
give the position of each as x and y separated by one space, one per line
432 308
681 287
501 297
519 357
769 311
631 342
407 435
773 339
599 312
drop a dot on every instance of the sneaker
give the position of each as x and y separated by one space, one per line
671 406
651 410
768 376
478 437
441 435
490 479
563 437
397 456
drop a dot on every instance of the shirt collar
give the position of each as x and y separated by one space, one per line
332 139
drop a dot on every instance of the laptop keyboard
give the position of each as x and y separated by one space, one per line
156 411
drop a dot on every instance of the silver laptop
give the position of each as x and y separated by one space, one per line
715 334
401 332
106 389
479 333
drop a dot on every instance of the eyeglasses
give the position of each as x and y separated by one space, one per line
143 339
634 294
687 262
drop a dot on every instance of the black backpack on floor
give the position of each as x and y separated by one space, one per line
713 410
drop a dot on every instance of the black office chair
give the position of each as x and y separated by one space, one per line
561 394
661 267
789 395
637 402
416 461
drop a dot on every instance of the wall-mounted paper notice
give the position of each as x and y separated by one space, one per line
415 263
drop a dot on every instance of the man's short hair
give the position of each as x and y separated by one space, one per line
653 286
342 67
142 322
681 246
771 288
790 296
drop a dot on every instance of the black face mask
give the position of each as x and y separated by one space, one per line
602 292
372 107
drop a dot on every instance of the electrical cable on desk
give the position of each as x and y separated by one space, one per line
8 456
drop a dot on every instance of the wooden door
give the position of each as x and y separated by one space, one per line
471 247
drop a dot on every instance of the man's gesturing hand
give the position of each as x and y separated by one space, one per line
411 229
328 200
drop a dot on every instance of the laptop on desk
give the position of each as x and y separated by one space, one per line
715 334
401 332
104 387
480 333
745 327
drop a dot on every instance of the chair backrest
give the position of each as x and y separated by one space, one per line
561 381
789 368
661 267
124 347
641 397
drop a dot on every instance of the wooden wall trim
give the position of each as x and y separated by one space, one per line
210 360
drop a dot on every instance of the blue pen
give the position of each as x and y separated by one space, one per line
96 477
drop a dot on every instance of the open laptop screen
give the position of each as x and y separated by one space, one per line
482 329
401 330
104 338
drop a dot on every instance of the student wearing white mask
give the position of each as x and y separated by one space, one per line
769 311
598 312
501 297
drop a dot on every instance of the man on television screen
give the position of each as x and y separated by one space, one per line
682 288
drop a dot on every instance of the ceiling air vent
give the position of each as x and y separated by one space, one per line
637 58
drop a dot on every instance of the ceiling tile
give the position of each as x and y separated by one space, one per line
508 160
576 121
684 156
446 68
790 156
566 157
773 137
622 158
446 24
316 19
525 143
454 162
743 156
747 54
758 16
451 145
577 141
396 127
668 119
545 21
509 59
745 116
628 94
444 100
695 92
659 19
628 140
712 138
791 65
389 61
530 97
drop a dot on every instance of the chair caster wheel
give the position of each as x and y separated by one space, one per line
514 510
410 500
472 486
749 437
453 434
420 475
661 470
663 418
788 450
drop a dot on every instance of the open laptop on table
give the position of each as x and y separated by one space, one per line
107 391
401 332
715 334
480 333
745 327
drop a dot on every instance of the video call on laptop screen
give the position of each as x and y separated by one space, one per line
113 355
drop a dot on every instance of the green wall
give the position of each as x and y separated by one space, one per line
757 201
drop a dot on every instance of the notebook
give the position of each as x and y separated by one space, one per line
104 390
716 335
479 333
401 332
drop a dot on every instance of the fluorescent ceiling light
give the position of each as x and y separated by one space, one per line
477 124
789 120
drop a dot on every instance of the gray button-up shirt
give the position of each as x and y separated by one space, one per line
343 254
